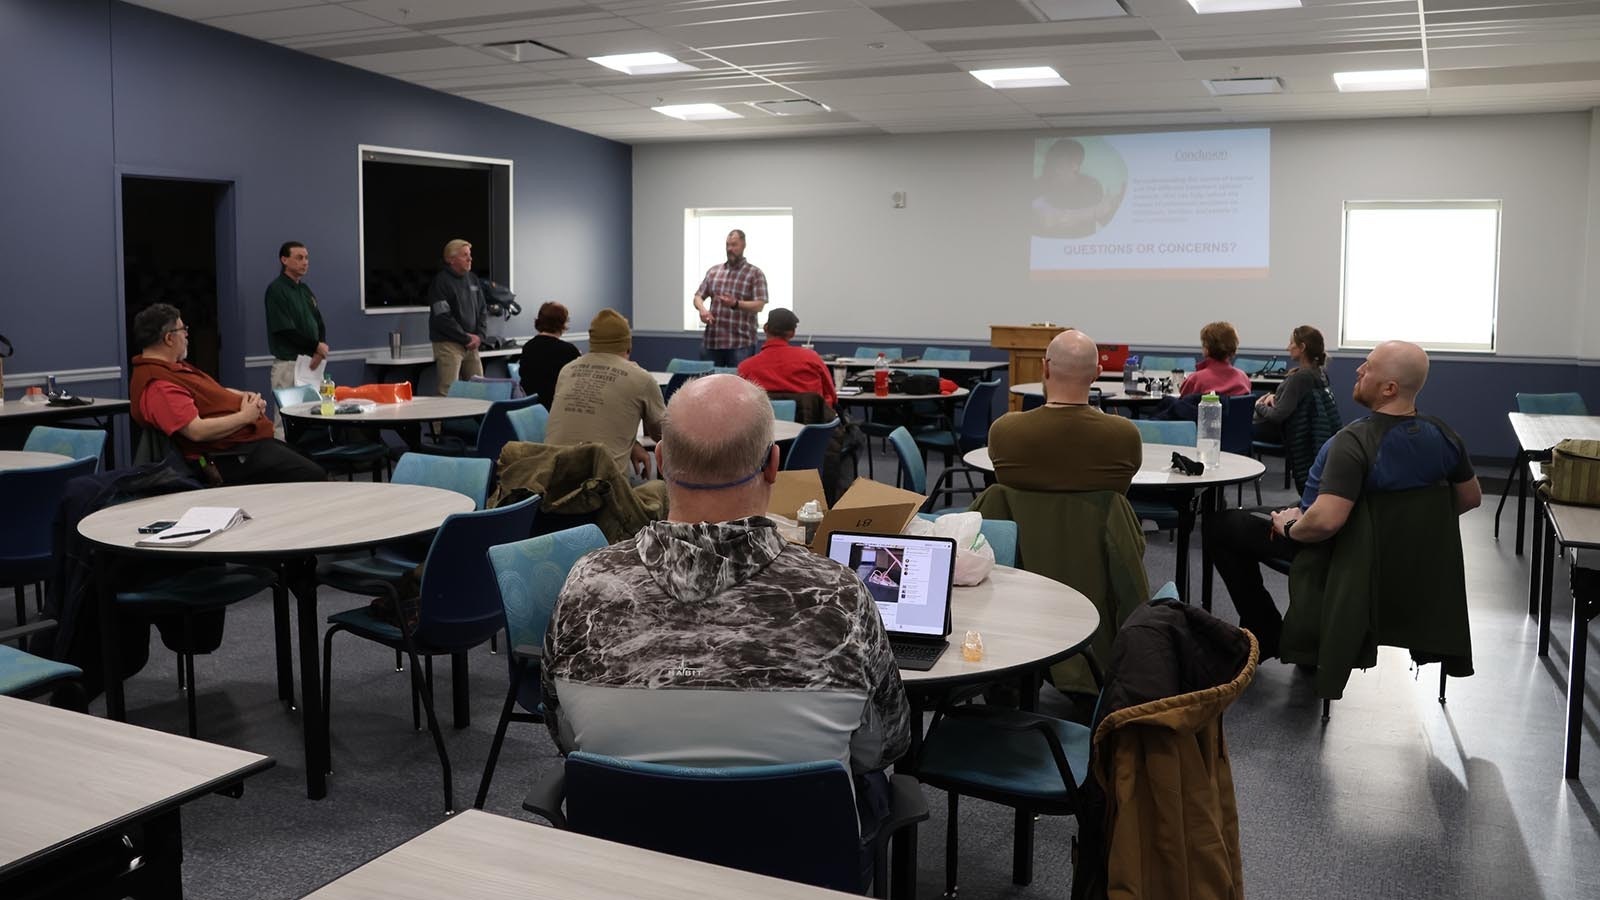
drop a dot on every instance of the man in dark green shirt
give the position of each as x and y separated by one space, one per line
294 324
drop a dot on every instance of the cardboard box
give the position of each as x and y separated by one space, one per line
868 506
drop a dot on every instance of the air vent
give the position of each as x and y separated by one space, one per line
524 51
799 106
1235 87
1073 10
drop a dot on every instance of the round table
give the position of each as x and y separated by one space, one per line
866 398
289 525
403 418
29 459
662 378
1156 473
1114 397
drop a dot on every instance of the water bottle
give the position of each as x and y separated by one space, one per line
1210 443
1130 373
327 395
880 376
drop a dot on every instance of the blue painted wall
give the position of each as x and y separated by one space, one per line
93 90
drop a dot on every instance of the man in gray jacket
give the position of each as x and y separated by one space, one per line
457 318
709 640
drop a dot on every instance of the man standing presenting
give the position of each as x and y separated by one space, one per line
727 300
781 366
1394 449
294 324
457 318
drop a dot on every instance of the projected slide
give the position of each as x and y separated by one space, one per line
1191 204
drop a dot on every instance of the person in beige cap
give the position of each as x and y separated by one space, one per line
602 397
457 318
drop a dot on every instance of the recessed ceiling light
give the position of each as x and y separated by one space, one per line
1035 76
1207 7
1383 80
697 112
1236 87
651 63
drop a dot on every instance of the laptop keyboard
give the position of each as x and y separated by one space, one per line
921 652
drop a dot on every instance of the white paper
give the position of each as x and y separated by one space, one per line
305 374
195 525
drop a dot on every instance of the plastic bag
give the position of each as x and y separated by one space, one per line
974 556
377 393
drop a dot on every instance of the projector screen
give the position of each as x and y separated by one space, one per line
1190 204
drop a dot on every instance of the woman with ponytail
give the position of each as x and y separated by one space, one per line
1309 357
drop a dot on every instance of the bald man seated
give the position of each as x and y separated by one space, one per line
1066 444
1393 449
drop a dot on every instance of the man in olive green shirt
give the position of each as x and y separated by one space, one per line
1066 445
294 324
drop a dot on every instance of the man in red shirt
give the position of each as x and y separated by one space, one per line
208 423
780 366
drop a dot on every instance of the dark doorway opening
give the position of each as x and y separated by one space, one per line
170 232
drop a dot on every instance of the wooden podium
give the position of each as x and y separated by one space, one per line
1027 344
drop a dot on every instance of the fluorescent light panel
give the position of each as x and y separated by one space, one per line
651 63
697 112
1208 7
1238 87
1382 80
1035 76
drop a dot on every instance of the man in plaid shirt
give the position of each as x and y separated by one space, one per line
727 300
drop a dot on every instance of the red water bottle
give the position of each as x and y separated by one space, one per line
880 377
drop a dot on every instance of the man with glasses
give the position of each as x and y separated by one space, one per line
709 640
214 427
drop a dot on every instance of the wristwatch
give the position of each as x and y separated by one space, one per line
1288 525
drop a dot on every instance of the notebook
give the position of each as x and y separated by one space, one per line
910 577
195 525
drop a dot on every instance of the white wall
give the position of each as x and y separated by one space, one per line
956 258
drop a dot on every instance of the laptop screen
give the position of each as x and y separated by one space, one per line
909 576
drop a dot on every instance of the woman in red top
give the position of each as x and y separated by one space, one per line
1216 373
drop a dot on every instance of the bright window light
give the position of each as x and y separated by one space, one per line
651 63
769 245
1421 272
1383 80
1035 76
697 112
1207 7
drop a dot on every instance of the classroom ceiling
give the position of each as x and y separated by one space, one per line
901 66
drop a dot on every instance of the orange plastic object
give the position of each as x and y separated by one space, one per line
377 393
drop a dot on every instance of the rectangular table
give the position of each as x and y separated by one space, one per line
1537 434
1573 528
102 411
73 785
484 856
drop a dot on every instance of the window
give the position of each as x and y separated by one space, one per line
1426 272
769 244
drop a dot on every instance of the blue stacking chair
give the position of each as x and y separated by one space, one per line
497 429
31 497
1032 401
783 410
689 366
971 432
678 380
530 574
724 370
1158 431
811 446
1154 505
794 821
464 475
322 443
528 422
1563 404
458 608
946 353
1000 533
514 370
913 475
869 353
26 676
73 443
457 437
480 388
1238 432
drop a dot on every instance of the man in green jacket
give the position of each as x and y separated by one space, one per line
1394 449
294 324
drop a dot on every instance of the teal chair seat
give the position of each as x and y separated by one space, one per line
529 423
25 675
467 476
689 366
971 752
1000 533
363 623
73 443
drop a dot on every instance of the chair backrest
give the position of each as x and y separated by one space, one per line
459 604
482 390
530 574
299 393
947 353
1238 430
724 370
464 475
783 410
74 443
872 352
1032 401
528 422
1167 363
1001 535
1569 404
32 497
678 380
1156 431
978 414
514 369
689 366
1251 365
913 473
797 821
496 428
811 446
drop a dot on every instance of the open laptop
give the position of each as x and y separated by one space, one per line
910 577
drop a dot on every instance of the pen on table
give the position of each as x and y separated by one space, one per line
168 537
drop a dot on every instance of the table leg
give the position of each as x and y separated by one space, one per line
1210 501
1185 530
1585 603
1536 568
110 645
1022 820
302 577
161 874
1546 563
1522 498
283 640
460 698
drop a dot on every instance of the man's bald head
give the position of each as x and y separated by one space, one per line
718 431
1394 370
1074 361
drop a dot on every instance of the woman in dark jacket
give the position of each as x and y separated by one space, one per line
546 353
1309 373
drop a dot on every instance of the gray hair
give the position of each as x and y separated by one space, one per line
717 430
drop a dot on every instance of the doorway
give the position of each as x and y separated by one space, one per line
177 249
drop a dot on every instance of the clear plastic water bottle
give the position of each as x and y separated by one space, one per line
1210 421
327 395
880 376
